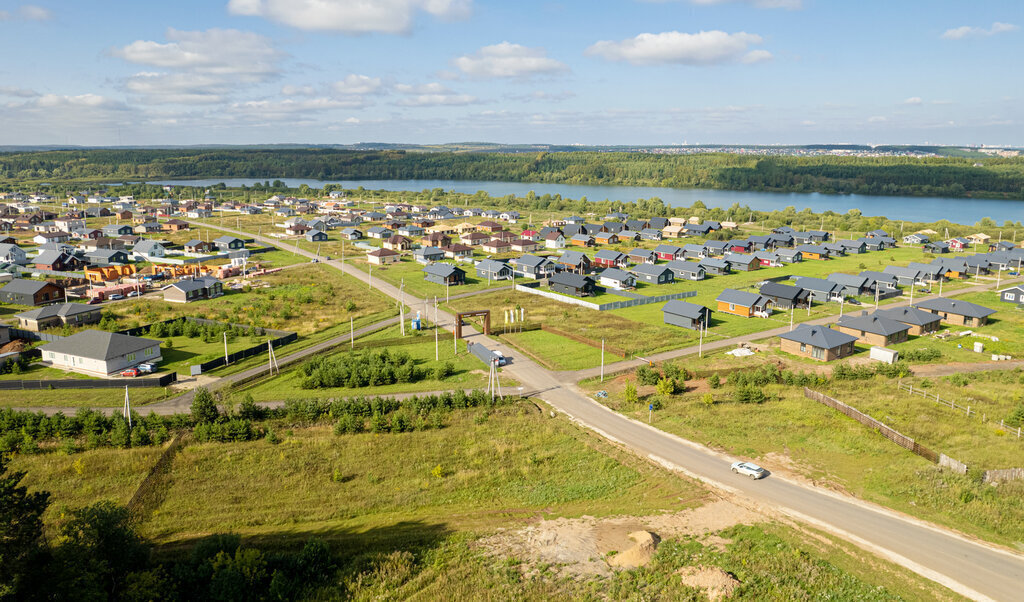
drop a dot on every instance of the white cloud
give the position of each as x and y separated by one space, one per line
913 100
704 48
17 92
358 84
787 4
508 60
31 12
959 33
178 88
349 16
877 119
544 95
432 95
289 90
4 15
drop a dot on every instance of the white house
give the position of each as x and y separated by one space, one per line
100 353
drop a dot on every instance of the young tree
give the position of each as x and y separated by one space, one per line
629 396
21 530
204 407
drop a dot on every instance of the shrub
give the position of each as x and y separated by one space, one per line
714 381
204 407
373 368
707 399
629 395
667 386
750 394
645 375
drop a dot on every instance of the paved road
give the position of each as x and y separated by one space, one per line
977 570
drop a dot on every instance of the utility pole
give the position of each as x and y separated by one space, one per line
127 408
352 332
226 362
401 306
602 360
701 327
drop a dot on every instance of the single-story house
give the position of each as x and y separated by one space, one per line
572 284
397 242
610 259
532 266
785 296
905 276
524 245
789 255
650 234
444 273
351 234
383 256
198 246
873 329
193 289
492 269
428 254
1012 295
817 342
813 251
174 225
411 230
920 321
959 313
654 274
715 248
880 281
744 304
686 270
100 353
575 261
821 290
106 256
616 278
853 286
229 243
316 236
30 292
495 246
149 248
693 251
606 238
739 246
741 262
668 252
554 240
58 261
58 315
768 258
378 232
582 240
686 315
642 256
715 266
853 247
916 239
457 251
11 253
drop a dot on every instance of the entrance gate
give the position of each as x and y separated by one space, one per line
486 313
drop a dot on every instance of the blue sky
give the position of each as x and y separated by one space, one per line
108 72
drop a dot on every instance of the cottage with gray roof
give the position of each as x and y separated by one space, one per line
193 289
30 292
100 353
785 296
1013 294
817 342
744 304
959 313
920 321
821 290
853 286
492 269
873 329
444 274
533 266
715 266
60 314
654 274
148 248
686 270
616 278
686 315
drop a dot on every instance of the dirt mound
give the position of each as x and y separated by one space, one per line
715 582
12 346
638 555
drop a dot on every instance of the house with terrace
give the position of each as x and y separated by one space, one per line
821 290
572 284
492 269
532 266
610 259
444 274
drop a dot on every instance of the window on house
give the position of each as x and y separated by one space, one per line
131 357
817 353
732 307
803 348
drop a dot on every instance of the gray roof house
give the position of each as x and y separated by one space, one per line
149 248
654 274
428 254
533 266
492 269
100 353
960 313
694 251
881 281
106 256
642 256
787 255
904 275
686 270
821 290
874 328
12 254
193 289
685 315
225 243
1013 294
784 295
715 266
853 286
444 273
616 278
817 342
919 320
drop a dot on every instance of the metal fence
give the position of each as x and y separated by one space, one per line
17 333
82 383
883 429
642 300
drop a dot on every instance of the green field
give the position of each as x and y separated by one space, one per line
558 352
411 273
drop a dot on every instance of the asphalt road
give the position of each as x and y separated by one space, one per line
974 569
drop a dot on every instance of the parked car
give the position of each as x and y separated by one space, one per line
853 301
147 368
749 469
134 294
116 297
130 372
95 301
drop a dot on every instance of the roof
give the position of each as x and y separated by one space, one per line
739 258
715 244
570 279
100 345
573 257
640 252
616 274
743 298
49 257
910 315
678 265
651 270
817 284
849 279
195 242
874 323
194 284
781 291
687 310
713 262
953 306
673 249
770 256
428 251
532 260
491 265
818 336
383 253
62 309
145 245
442 269
608 254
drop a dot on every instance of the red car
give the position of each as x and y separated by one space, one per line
132 372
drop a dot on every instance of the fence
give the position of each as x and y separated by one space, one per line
17 333
1003 474
81 383
909 388
883 429
955 465
605 306
147 496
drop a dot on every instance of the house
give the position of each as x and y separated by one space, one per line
673 231
1002 245
650 234
530 235
474 238
411 230
768 258
57 261
489 226
686 270
316 236
697 230
100 353
532 266
879 243
175 225
668 252
654 274
916 239
606 238
628 236
297 229
712 224
572 284
959 313
877 234
834 249
444 273
739 262
852 247
30 292
436 239
958 244
397 242
715 267
352 234
821 290
929 272
378 232
635 224
760 242
813 251
582 240
904 275
853 286
789 255
106 256
193 289
383 256
428 254
686 315
811 236
228 243
938 247
11 253
657 222
642 256
739 246
148 228
610 259
880 281
715 248
975 239
817 342
115 230
785 296
873 329
149 248
616 278
457 251
45 237
60 314
1012 295
524 245
198 246
495 246
87 234
575 261
743 304
492 269
693 251
920 322
554 240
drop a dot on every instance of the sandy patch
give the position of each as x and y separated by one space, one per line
580 547
715 582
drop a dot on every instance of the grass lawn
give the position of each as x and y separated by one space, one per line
37 370
411 272
470 372
790 432
185 352
557 351
82 398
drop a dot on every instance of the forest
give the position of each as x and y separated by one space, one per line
935 176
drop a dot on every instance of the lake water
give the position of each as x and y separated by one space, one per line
920 209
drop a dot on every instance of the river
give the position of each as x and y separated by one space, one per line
918 209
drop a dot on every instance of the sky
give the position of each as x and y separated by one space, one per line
597 72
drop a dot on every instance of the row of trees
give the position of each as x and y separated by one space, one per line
367 369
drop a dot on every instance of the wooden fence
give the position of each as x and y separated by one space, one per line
1003 474
149 494
883 429
967 410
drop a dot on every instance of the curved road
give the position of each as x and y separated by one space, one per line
974 569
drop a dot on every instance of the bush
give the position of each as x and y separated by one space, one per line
645 375
708 399
355 370
714 381
629 395
667 386
204 407
750 394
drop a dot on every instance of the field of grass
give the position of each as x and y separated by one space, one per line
82 398
37 370
470 372
558 352
790 432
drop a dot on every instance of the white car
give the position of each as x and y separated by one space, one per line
748 469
